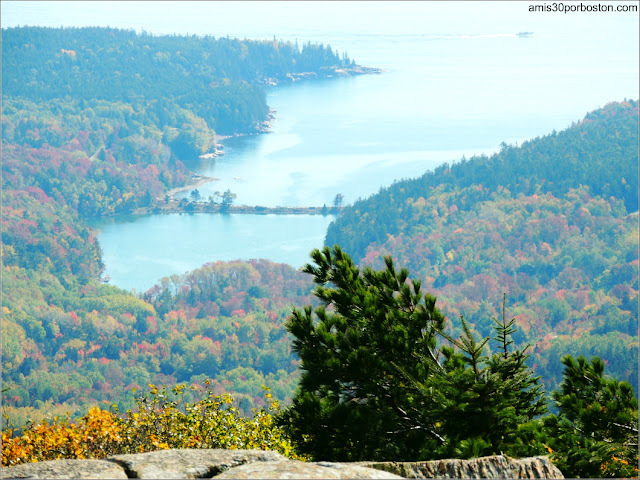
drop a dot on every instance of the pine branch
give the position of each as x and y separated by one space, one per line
415 425
625 427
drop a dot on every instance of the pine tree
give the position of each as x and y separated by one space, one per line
595 433
353 402
375 385
486 405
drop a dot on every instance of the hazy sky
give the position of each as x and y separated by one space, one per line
582 57
280 18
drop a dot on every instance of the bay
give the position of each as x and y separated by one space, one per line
458 81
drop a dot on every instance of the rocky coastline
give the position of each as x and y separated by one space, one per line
324 72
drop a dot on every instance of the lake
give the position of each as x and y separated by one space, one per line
458 81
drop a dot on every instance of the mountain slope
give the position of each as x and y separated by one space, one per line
547 223
600 152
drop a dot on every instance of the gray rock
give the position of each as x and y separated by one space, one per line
189 463
498 466
60 469
208 463
295 469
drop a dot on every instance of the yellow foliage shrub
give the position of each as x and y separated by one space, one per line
159 421
96 435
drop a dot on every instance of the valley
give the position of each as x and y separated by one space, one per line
132 258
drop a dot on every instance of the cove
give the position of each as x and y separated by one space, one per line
141 250
442 97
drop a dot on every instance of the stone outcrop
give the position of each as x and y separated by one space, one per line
498 466
189 463
59 469
192 463
294 469
215 463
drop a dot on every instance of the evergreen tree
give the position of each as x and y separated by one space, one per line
376 387
489 404
352 403
595 433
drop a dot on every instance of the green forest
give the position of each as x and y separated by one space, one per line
217 79
553 223
510 275
82 138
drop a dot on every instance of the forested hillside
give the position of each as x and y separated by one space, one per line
68 346
100 119
599 152
97 121
552 223
215 78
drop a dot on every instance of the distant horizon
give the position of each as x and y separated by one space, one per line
373 17
607 43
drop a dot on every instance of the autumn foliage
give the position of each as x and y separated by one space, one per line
95 435
160 421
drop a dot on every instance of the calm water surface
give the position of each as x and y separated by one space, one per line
458 82
162 245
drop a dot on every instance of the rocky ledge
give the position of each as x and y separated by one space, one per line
174 464
498 466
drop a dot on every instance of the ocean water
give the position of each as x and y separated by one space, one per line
457 81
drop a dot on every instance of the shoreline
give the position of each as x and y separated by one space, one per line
265 126
218 208
323 72
261 127
200 180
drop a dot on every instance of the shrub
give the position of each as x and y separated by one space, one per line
159 421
